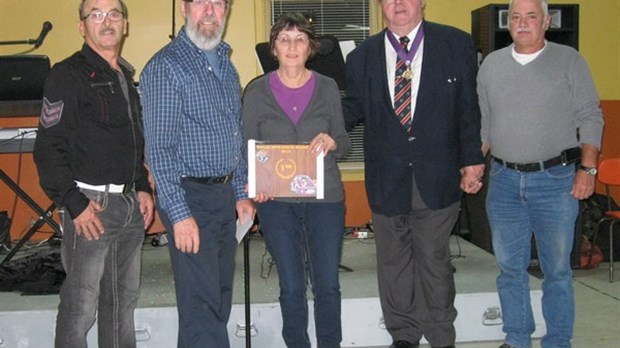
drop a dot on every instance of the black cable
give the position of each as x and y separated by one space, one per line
22 135
24 52
265 274
460 253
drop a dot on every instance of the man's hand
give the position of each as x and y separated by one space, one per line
583 186
146 207
471 178
245 207
186 236
88 222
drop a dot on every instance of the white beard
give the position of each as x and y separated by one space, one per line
203 41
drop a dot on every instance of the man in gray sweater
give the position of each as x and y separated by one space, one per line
542 123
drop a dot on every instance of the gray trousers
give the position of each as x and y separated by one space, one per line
103 275
416 284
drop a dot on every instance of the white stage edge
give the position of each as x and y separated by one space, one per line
478 320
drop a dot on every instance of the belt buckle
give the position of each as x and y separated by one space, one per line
517 167
564 158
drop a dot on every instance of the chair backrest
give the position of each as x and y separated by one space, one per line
609 171
609 174
329 61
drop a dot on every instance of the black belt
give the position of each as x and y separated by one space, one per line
209 179
571 155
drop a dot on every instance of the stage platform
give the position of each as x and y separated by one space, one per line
28 321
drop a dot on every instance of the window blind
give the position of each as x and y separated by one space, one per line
344 19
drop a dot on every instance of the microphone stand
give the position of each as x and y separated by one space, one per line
19 42
47 26
174 25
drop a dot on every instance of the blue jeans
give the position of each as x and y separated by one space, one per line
519 204
305 241
204 281
103 276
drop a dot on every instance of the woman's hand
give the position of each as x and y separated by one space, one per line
322 142
262 197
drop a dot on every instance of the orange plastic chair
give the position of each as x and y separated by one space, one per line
609 175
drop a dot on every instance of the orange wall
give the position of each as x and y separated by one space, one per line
357 212
611 139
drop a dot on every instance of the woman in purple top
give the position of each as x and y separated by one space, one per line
304 235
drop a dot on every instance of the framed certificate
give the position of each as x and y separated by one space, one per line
284 170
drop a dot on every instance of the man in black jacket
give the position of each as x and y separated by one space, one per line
89 154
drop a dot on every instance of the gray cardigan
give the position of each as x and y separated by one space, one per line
264 120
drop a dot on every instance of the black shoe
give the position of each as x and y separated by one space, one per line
506 345
404 344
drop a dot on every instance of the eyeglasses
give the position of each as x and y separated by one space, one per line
288 40
215 3
100 16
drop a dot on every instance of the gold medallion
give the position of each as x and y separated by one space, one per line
407 74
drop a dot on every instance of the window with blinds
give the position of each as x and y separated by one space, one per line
344 19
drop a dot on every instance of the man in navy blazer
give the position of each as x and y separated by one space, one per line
416 164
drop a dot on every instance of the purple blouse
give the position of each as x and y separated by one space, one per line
292 100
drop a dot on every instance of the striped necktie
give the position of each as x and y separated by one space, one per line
402 89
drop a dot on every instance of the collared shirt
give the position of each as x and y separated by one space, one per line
416 65
192 119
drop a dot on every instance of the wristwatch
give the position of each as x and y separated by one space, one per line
590 170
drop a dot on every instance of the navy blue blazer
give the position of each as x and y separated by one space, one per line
446 121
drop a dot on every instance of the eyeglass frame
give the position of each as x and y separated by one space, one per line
105 15
286 40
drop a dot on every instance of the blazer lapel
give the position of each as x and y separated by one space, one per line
381 73
431 61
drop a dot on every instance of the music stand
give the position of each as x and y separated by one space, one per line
246 288
45 216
